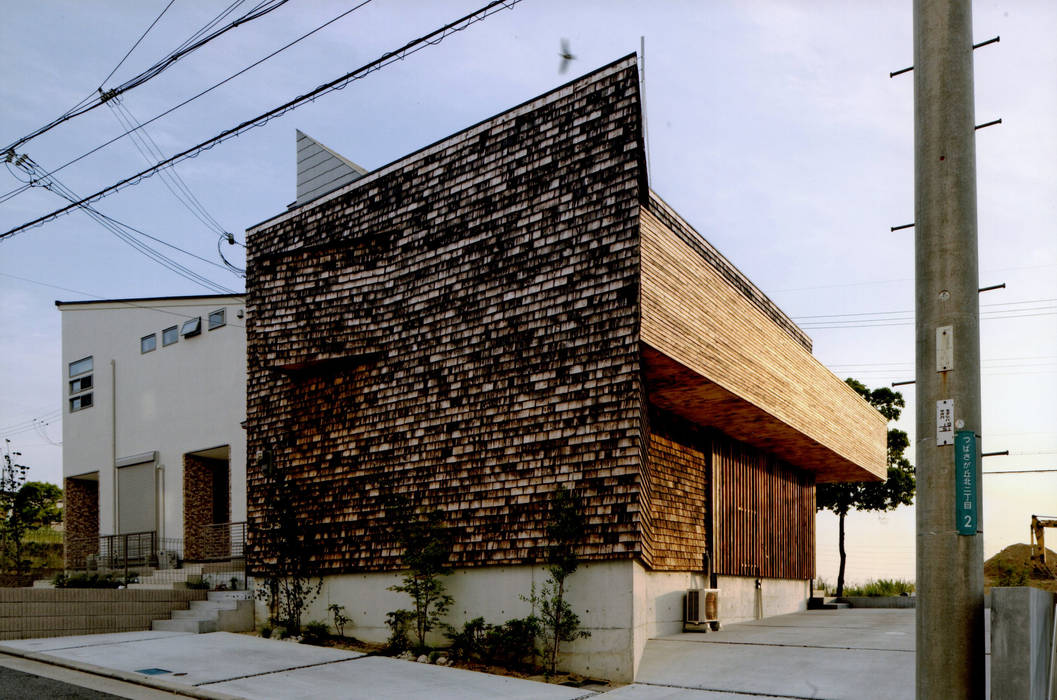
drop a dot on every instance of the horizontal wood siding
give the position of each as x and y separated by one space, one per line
765 514
693 314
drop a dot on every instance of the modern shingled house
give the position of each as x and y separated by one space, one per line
510 309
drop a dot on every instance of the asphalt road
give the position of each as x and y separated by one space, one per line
24 686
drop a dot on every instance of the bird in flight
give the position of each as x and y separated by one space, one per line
566 56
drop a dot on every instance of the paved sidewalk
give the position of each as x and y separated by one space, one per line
225 665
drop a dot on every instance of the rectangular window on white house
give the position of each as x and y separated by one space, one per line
170 335
79 402
217 318
81 366
191 327
80 383
148 343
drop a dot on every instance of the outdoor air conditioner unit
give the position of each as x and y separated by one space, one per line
701 610
166 559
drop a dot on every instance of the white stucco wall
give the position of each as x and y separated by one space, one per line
621 603
180 398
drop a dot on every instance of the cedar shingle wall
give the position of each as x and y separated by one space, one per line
765 514
494 278
679 468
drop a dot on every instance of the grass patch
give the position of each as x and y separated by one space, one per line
880 587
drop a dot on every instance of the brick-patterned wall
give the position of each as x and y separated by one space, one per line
199 476
679 470
461 327
80 518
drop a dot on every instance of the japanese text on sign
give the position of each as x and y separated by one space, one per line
966 507
945 422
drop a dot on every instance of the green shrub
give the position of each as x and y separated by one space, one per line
266 631
880 587
197 583
511 644
340 618
88 581
314 632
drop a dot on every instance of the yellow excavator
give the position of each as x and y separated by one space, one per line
1038 544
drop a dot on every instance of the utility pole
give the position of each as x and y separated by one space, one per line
950 595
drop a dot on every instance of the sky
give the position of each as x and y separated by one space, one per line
773 127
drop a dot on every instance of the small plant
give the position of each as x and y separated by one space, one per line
340 618
234 581
197 583
399 624
1010 575
266 631
314 632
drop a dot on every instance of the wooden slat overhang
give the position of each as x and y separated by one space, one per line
715 358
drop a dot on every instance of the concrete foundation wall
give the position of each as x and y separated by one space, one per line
1022 621
738 598
621 603
27 613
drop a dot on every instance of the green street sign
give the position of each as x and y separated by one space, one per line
967 510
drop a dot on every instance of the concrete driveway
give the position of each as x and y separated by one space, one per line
831 654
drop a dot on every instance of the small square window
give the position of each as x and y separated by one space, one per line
217 318
79 402
80 384
81 366
148 343
192 326
170 335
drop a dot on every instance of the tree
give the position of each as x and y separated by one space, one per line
37 503
286 550
427 548
896 490
12 479
565 530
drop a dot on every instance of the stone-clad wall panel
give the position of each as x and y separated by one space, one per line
461 327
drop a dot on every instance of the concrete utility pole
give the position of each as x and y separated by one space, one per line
950 602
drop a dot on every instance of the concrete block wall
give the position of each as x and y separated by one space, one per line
1022 622
28 613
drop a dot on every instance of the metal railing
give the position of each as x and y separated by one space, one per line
219 542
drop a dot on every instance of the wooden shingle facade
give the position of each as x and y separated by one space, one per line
510 309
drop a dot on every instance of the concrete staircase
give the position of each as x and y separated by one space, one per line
222 611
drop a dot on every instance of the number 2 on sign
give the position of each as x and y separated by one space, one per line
968 521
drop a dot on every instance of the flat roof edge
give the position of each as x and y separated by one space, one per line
189 297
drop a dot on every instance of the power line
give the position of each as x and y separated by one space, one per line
172 57
141 38
120 230
122 302
19 190
412 47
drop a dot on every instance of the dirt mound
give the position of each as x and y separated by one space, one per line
1017 558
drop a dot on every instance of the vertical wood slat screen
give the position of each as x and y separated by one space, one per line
765 514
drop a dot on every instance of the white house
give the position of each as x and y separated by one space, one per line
153 446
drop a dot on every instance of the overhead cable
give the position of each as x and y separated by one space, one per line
19 190
103 96
412 47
